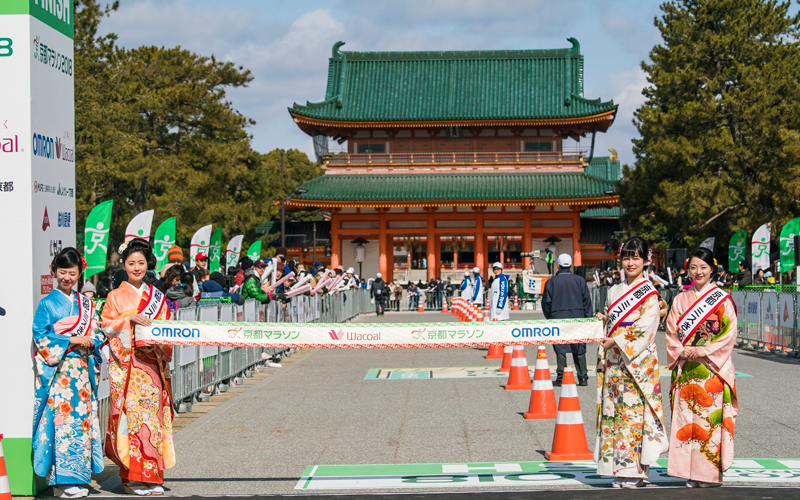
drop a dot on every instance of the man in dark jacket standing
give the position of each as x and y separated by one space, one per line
567 296
379 291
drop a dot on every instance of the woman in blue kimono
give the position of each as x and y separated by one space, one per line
67 442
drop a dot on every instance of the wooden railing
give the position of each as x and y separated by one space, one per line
399 159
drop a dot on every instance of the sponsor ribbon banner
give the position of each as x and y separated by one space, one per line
370 336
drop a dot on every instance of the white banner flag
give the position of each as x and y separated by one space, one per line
139 226
200 242
708 243
760 248
234 251
532 284
371 335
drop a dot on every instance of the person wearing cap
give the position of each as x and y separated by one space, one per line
498 305
87 290
466 286
251 288
567 296
378 290
477 287
349 281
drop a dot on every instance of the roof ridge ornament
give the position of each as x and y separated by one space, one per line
335 52
576 46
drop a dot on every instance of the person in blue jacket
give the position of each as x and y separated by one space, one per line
214 286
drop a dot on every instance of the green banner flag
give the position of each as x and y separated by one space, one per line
214 250
789 231
254 252
736 250
164 239
95 238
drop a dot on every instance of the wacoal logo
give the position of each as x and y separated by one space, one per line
63 152
9 144
340 335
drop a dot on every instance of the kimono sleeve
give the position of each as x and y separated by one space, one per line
114 321
674 347
633 340
50 345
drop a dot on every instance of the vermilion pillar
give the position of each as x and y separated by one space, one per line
334 239
527 244
480 256
576 238
384 248
431 245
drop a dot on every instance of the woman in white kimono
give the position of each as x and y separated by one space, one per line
630 417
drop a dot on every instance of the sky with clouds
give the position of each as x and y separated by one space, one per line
286 44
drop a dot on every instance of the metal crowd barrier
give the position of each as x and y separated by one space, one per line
767 317
199 371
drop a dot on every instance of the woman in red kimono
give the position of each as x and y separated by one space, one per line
139 435
701 333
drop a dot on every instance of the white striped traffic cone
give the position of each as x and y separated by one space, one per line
569 441
505 367
543 398
5 488
518 376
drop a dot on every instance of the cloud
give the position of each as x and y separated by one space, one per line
287 46
628 95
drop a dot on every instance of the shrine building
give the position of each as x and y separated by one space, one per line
452 160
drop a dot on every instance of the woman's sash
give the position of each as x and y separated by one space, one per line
628 303
81 327
699 311
152 306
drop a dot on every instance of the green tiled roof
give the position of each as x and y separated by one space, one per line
453 187
605 167
454 86
601 213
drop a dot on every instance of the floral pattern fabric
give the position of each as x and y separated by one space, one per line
703 394
630 418
67 443
139 436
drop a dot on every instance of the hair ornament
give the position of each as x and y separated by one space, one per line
123 247
83 262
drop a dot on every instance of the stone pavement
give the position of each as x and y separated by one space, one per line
320 410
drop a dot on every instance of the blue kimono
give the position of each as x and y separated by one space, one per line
67 442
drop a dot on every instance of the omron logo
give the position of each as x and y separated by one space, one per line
536 332
43 146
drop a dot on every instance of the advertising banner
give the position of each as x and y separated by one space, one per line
233 251
214 250
200 242
533 284
95 238
139 226
37 197
789 231
254 252
736 249
370 335
760 248
164 239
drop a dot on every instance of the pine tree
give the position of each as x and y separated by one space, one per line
720 135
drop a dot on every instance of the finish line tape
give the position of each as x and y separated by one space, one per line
370 335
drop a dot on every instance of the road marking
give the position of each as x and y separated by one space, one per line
450 372
521 474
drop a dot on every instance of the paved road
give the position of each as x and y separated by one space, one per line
320 410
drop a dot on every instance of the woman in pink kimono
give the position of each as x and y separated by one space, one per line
630 416
701 333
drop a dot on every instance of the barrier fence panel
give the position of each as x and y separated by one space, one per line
767 317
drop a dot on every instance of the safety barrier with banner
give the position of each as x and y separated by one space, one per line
370 336
198 370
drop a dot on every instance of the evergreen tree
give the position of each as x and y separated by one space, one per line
720 142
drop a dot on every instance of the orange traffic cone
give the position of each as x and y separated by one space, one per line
569 441
543 399
444 306
486 313
477 313
505 367
516 304
495 352
518 375
5 489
